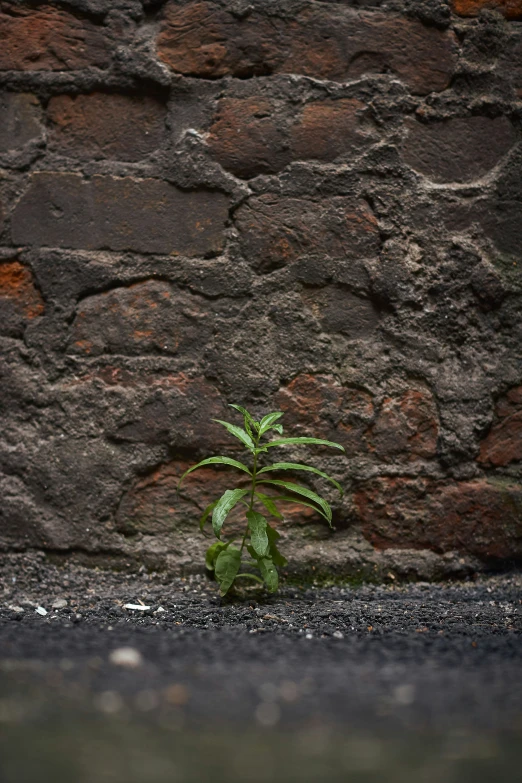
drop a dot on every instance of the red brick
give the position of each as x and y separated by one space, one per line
245 138
119 213
481 518
503 444
328 129
152 317
276 231
21 120
20 301
201 39
457 150
320 406
106 126
309 402
512 9
49 39
153 506
406 427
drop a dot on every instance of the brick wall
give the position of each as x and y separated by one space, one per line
310 206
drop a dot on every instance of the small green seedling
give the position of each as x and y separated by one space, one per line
259 538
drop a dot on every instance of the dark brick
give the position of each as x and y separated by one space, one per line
457 150
145 215
49 39
21 117
20 301
106 126
277 231
245 138
248 137
338 310
512 9
503 443
329 129
502 222
145 318
481 518
201 39
172 409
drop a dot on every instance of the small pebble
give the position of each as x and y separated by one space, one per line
128 657
41 611
59 603
338 635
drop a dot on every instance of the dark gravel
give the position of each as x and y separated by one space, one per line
383 682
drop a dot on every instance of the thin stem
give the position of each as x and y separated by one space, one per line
254 472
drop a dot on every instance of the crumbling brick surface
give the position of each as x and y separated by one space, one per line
306 206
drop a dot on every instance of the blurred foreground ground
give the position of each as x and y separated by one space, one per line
417 683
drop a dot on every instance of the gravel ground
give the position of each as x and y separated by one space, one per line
370 683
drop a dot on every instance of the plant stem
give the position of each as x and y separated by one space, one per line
254 471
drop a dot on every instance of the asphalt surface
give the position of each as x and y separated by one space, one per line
422 682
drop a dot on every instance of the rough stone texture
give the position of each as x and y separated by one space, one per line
457 150
512 9
201 39
102 125
145 215
49 39
306 206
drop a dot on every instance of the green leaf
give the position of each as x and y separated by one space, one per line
226 568
278 428
268 420
224 505
307 493
205 515
212 552
299 466
238 433
258 536
252 552
246 414
269 574
317 441
275 554
269 504
216 461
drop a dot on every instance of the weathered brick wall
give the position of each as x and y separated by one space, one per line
310 206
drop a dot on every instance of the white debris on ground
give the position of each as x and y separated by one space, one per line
139 607
128 657
41 611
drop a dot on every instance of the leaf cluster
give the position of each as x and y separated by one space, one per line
260 539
